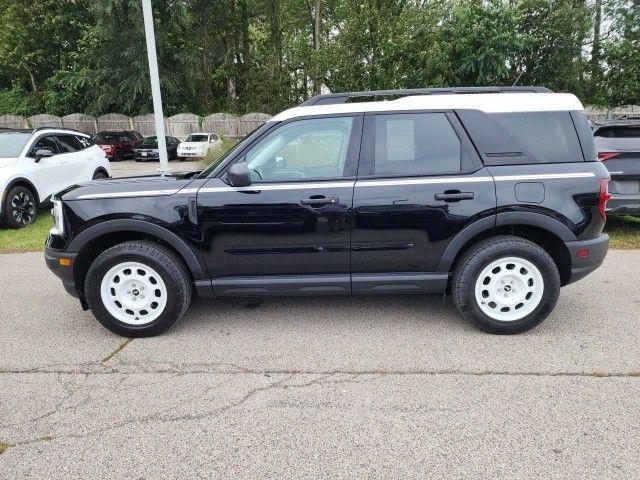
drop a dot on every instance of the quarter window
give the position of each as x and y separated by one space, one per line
416 144
551 136
311 149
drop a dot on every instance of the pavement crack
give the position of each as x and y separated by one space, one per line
118 349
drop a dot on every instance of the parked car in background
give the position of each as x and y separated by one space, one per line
197 145
618 146
148 149
118 145
493 195
35 164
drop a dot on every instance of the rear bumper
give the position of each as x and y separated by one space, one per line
65 273
595 249
622 204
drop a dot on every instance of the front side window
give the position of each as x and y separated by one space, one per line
415 144
45 143
313 149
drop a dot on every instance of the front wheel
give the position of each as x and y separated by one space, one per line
505 284
138 289
20 207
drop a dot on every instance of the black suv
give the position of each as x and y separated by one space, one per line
493 195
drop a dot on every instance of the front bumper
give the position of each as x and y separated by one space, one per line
52 257
622 204
592 255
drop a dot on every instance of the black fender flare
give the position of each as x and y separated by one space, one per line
28 183
190 257
539 220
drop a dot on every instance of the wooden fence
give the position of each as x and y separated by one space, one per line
181 125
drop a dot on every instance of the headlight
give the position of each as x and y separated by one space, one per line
58 219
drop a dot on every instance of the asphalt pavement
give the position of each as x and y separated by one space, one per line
322 387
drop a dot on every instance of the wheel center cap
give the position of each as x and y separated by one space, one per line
135 292
507 288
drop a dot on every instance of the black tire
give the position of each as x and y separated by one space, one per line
100 175
169 267
20 207
471 265
117 156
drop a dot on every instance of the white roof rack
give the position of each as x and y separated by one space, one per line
486 102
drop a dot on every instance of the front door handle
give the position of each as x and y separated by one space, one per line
319 201
453 196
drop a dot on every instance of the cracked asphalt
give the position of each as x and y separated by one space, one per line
376 387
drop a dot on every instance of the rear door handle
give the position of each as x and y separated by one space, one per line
319 201
454 196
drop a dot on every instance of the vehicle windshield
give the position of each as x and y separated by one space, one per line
105 137
12 143
150 142
238 146
196 137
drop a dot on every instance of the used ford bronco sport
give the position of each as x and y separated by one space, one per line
493 195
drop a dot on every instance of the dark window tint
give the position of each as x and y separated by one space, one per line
550 136
416 144
625 131
46 143
84 141
68 144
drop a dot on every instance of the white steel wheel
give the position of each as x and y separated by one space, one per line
509 289
133 293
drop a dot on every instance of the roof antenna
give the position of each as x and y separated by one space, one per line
518 79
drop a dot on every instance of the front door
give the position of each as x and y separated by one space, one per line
289 231
419 184
50 174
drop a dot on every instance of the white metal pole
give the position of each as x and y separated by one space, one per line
155 85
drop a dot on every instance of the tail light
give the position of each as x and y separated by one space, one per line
107 148
603 156
603 197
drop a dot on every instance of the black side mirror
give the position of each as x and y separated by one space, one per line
238 175
42 153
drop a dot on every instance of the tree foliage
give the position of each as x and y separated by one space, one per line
62 56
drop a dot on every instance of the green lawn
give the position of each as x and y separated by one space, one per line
27 239
624 233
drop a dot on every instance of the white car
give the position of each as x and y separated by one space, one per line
35 164
198 144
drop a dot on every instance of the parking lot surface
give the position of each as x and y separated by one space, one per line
339 387
128 168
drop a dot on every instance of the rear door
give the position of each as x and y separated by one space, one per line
419 184
77 160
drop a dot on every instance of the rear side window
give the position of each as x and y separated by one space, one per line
69 143
415 144
550 136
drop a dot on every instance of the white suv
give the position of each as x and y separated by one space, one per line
35 164
198 145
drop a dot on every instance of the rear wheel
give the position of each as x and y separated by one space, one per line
20 207
99 175
138 289
505 284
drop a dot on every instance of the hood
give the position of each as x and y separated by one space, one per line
7 162
147 185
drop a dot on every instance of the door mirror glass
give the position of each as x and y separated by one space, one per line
238 175
42 153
